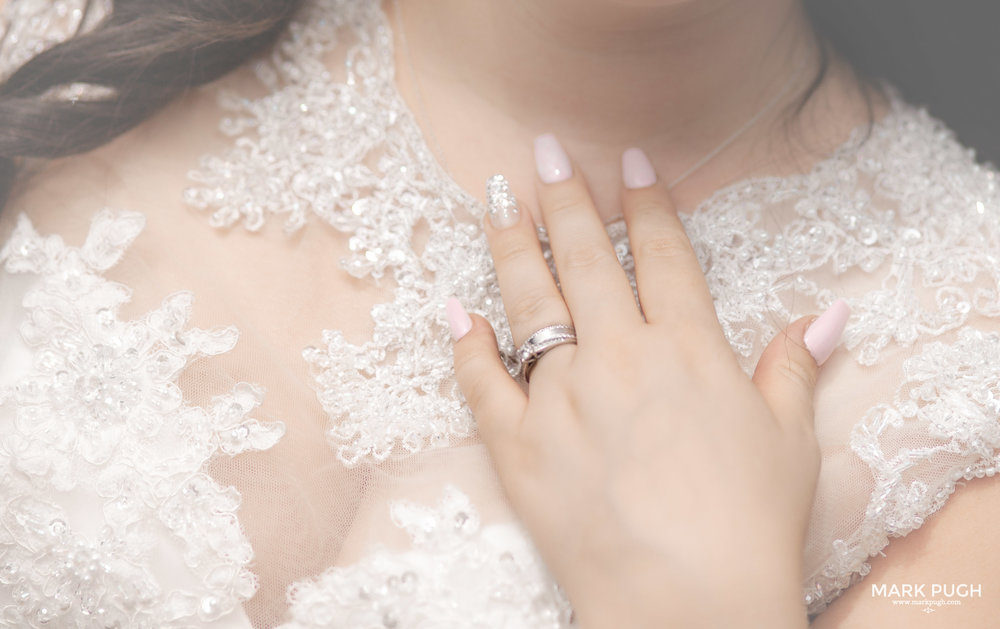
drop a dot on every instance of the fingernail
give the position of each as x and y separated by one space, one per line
501 202
823 335
637 170
551 160
458 319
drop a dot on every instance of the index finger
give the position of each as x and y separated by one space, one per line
671 284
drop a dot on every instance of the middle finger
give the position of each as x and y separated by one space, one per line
592 279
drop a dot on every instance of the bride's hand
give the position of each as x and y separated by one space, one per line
658 481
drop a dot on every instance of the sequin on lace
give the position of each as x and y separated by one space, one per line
340 151
100 414
32 26
905 205
98 417
953 392
458 573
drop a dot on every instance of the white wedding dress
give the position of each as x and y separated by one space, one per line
226 395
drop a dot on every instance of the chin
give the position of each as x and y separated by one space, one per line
650 3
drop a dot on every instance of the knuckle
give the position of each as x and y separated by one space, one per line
584 257
702 337
511 250
647 205
618 359
797 373
531 305
564 202
708 357
663 245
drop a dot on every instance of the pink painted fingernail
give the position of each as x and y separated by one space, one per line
458 319
551 159
637 170
824 333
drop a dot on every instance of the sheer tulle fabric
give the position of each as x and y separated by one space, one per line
226 394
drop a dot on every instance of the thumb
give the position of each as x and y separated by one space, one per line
789 367
495 399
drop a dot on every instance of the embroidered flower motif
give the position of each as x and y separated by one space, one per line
905 221
97 417
950 392
349 152
457 574
32 26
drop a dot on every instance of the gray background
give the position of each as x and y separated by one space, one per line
943 54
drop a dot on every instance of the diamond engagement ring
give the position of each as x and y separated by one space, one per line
541 341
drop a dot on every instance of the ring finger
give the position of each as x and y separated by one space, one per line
529 291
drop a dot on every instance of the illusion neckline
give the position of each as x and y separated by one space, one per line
420 145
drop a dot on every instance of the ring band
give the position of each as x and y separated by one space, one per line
541 341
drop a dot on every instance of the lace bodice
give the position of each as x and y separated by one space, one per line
302 457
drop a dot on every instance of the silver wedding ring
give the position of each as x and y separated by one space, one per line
541 341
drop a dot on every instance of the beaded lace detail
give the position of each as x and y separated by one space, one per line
953 390
32 26
903 225
98 417
904 204
342 152
458 574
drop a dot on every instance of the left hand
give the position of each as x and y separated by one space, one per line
659 483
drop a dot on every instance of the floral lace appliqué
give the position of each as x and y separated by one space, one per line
950 391
338 150
29 27
350 153
457 574
97 417
900 221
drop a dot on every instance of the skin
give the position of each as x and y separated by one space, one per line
955 544
675 78
509 90
640 401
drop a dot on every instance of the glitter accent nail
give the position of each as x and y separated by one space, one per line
502 204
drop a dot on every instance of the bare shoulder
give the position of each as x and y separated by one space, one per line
951 558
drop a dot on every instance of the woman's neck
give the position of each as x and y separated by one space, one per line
682 72
676 78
